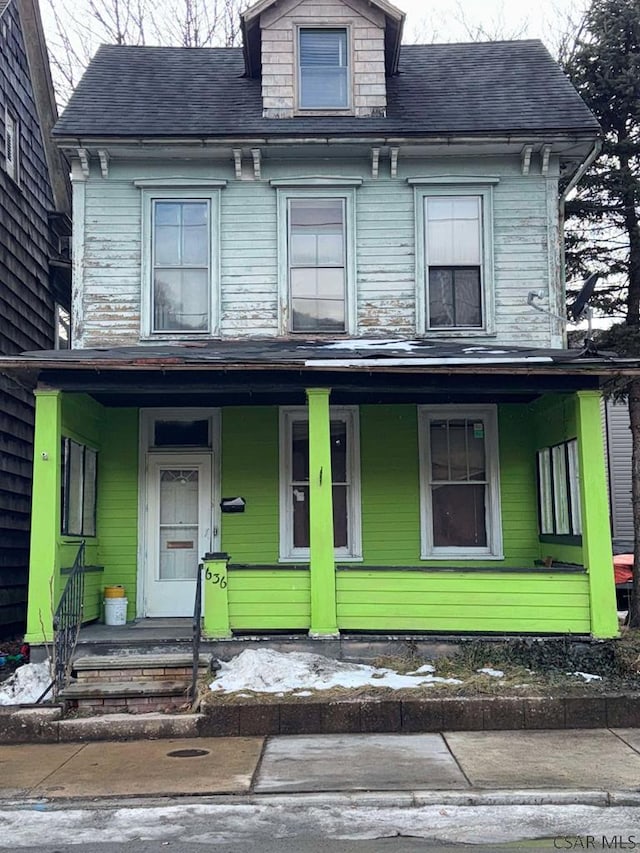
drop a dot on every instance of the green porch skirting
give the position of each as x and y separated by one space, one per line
264 599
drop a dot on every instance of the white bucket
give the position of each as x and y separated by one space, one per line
115 611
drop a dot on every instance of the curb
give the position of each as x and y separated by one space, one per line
350 799
44 724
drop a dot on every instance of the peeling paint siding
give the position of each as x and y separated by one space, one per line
524 227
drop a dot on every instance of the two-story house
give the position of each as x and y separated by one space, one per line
303 335
35 281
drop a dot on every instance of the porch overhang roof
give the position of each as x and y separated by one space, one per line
373 355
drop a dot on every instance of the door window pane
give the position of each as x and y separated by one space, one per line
323 69
179 507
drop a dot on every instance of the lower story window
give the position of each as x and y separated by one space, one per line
559 490
294 484
79 474
459 484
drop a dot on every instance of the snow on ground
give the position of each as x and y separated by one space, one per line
267 671
587 676
26 685
494 673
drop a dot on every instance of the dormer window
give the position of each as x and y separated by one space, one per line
323 69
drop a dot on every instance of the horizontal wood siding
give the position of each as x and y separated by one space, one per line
269 600
250 470
118 502
26 312
385 287
458 601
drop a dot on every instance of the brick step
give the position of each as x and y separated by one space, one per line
105 697
151 667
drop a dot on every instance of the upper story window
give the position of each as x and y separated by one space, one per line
454 256
323 62
11 145
62 328
317 264
453 242
180 257
181 250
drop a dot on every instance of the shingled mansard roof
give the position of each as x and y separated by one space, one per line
485 88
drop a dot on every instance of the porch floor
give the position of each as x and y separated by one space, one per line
173 636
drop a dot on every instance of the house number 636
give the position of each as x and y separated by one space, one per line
216 579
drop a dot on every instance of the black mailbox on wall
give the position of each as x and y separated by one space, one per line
233 504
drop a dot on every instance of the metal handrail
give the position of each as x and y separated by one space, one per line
197 632
67 620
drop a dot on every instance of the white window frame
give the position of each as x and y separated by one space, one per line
478 187
323 24
350 415
493 515
61 319
12 144
306 192
186 193
559 501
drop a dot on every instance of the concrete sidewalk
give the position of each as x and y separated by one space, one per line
591 766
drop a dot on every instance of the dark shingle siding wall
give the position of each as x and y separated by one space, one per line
26 313
497 87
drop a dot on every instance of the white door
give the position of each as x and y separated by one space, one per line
179 530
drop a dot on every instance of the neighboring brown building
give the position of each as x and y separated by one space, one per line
34 272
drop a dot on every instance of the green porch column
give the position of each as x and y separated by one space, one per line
45 516
322 565
215 595
596 532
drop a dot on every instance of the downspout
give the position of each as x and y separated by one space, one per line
579 174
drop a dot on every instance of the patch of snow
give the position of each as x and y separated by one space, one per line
267 671
586 675
303 693
426 667
26 685
494 673
470 350
373 343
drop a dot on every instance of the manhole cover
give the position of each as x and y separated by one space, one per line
187 753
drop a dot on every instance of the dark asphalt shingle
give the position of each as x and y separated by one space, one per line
493 87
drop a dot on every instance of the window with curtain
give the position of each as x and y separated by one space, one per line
323 69
295 485
559 490
459 482
453 251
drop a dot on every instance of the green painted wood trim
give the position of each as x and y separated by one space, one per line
215 586
279 567
269 600
321 563
46 515
502 570
596 536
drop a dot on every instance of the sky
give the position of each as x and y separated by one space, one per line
450 20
